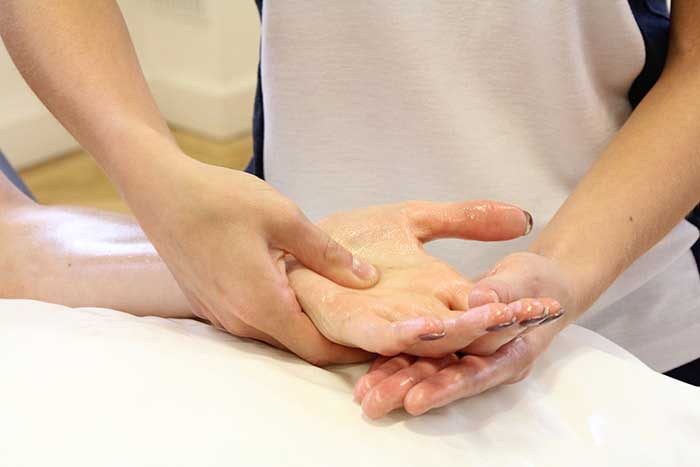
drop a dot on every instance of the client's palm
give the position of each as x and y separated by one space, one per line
419 298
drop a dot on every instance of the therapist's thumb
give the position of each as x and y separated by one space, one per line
316 250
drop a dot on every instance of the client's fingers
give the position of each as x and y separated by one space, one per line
382 369
388 394
345 319
374 334
471 220
466 328
528 313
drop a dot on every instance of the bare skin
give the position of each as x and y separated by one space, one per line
82 257
86 257
221 232
644 183
390 317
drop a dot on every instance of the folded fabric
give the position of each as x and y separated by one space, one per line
94 387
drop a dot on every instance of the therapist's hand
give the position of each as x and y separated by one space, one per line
423 384
224 235
420 303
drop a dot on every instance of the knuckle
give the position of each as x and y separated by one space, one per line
289 215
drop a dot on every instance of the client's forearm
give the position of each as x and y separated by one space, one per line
82 257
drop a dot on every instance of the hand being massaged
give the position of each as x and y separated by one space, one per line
420 305
86 257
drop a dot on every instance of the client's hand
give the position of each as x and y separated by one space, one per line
422 384
419 299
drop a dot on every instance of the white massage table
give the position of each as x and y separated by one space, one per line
92 387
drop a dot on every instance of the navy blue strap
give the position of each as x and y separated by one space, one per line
653 20
256 166
10 173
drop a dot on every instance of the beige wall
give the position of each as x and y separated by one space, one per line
200 57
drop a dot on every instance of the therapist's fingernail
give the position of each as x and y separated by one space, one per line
433 336
561 313
498 327
528 218
364 271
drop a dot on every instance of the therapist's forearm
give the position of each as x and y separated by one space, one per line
78 57
645 183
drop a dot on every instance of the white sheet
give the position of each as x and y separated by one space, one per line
94 387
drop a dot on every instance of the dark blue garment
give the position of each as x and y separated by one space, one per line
255 166
654 23
10 173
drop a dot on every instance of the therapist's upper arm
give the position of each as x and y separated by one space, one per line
685 33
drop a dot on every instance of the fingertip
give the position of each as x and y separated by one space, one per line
372 405
362 387
416 401
367 273
425 328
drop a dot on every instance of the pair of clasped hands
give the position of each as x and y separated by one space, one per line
360 283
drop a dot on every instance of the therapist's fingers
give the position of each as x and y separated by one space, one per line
471 220
529 313
473 375
522 275
316 250
379 361
304 339
277 313
384 368
245 331
282 318
388 394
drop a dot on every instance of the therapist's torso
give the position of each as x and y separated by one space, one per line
381 101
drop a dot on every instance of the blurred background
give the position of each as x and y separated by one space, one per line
200 58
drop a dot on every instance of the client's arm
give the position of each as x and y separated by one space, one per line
82 257
86 257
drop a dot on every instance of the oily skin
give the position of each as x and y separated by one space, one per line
641 186
418 296
86 257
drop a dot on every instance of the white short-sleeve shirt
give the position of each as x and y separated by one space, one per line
380 101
